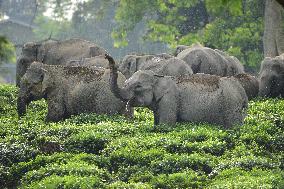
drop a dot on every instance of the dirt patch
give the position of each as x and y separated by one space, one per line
200 79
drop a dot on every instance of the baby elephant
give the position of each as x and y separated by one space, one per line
132 63
196 98
69 90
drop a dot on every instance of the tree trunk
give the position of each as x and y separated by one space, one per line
273 38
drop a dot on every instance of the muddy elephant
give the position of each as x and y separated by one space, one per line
250 84
170 66
209 61
195 98
271 77
55 53
69 90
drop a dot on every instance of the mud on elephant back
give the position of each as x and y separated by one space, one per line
55 53
195 98
69 91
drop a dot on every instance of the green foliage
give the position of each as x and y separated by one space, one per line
99 151
58 29
7 51
232 26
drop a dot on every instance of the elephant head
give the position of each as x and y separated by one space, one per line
29 54
144 88
129 65
272 77
32 87
180 48
132 63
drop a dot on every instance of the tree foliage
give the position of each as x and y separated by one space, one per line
7 51
233 26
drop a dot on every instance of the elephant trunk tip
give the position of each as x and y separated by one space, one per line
21 107
111 61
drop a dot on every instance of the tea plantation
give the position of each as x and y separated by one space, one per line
96 151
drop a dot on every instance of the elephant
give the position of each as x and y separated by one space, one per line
180 48
132 63
55 53
170 66
209 61
69 91
271 77
250 84
195 98
98 61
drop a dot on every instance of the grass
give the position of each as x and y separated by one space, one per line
98 151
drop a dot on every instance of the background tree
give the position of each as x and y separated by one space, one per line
235 26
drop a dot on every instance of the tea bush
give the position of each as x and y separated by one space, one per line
100 151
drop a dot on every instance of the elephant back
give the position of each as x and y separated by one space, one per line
96 96
61 52
209 61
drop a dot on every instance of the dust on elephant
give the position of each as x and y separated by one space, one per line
167 65
196 98
55 53
271 77
98 61
250 84
132 63
69 90
209 61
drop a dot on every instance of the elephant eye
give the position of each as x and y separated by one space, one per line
129 65
139 88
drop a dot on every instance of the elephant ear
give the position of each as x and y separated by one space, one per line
162 87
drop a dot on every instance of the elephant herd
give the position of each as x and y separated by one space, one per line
196 84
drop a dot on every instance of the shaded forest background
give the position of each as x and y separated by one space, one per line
148 26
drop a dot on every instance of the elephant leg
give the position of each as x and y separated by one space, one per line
166 112
56 110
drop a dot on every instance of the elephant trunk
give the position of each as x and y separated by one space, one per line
22 100
120 93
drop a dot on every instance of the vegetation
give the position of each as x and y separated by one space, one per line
98 151
234 26
7 51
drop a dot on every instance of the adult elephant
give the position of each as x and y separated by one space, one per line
271 77
209 61
69 90
55 53
196 98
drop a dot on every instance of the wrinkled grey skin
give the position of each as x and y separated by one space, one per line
215 62
169 67
97 61
271 77
195 98
250 84
69 90
55 53
132 63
